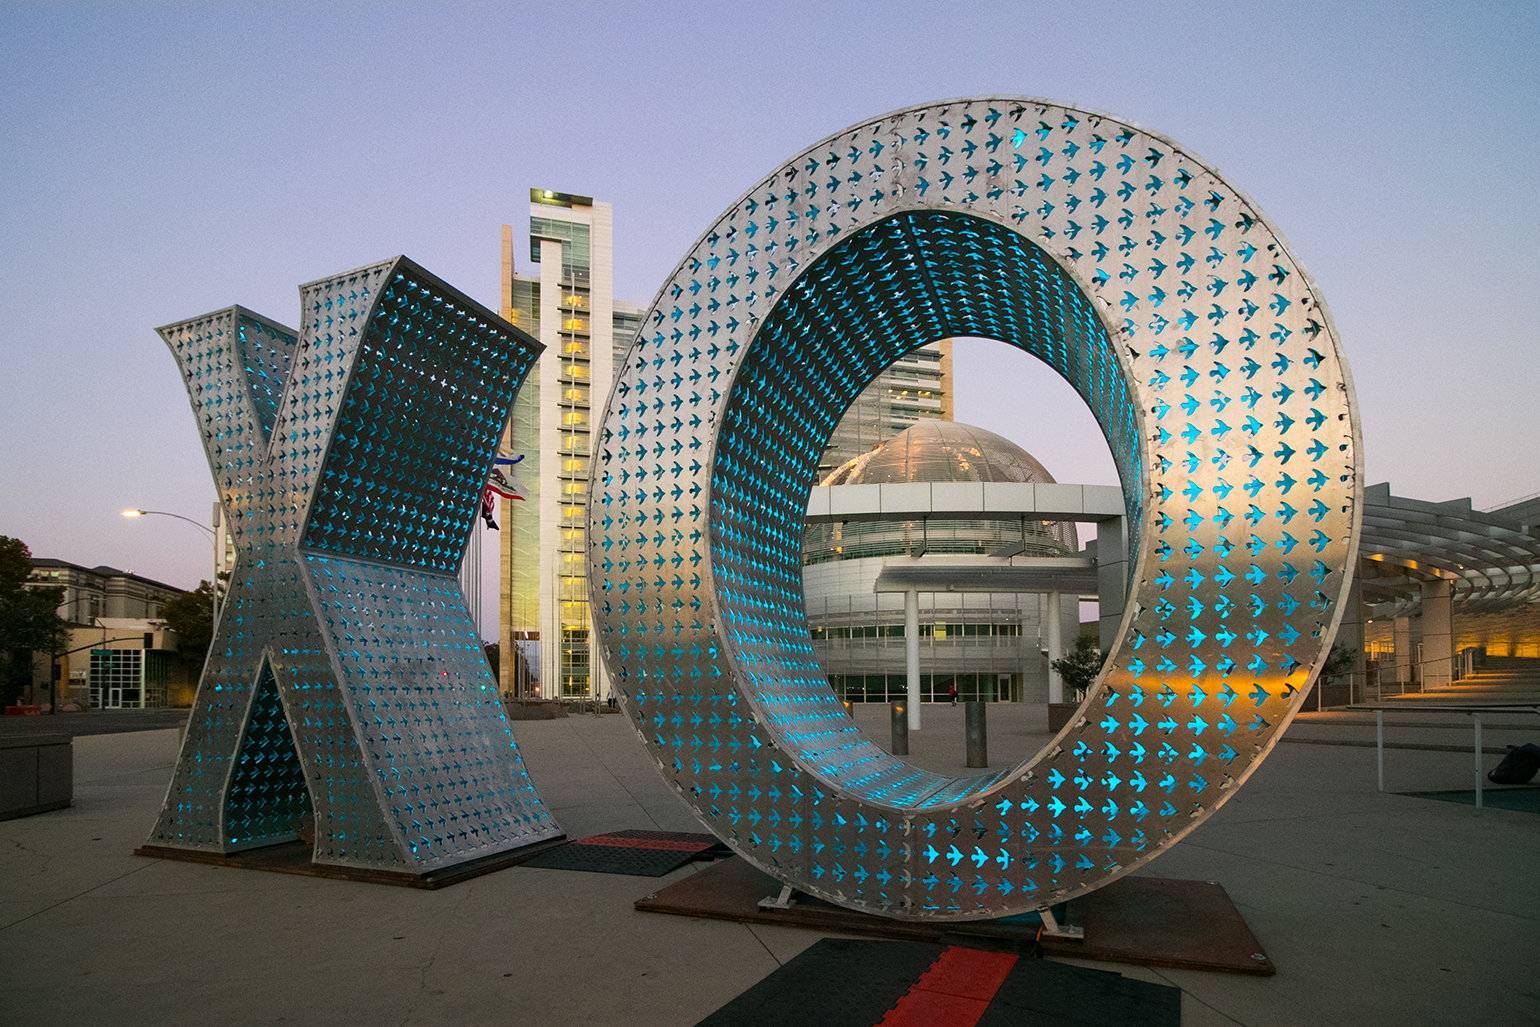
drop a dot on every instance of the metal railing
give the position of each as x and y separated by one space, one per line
1375 682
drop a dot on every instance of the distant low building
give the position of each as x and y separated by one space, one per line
92 592
122 655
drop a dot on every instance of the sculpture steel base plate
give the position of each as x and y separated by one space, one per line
1144 921
295 858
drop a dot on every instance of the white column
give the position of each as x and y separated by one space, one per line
1403 644
1437 634
912 654
1111 578
549 501
601 306
1055 648
601 336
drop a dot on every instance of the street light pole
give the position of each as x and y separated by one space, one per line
213 540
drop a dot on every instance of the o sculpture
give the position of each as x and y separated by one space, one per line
1176 310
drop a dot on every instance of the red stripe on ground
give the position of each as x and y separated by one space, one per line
954 992
644 843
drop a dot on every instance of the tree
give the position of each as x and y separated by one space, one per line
29 618
1340 660
191 616
1078 670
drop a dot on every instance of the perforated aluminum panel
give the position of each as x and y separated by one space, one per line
346 675
1175 309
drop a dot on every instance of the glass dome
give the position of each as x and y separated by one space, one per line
936 450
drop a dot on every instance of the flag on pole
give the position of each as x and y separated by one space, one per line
501 482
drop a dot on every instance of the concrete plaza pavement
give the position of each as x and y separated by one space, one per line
1376 908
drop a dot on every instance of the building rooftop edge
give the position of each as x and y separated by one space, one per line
101 570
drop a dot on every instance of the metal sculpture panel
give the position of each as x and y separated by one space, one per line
1171 304
346 675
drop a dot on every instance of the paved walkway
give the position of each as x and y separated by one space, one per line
1377 909
93 722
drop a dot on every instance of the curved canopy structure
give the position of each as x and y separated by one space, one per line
1168 301
1491 563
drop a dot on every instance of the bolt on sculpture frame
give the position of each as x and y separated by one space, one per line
346 676
1175 309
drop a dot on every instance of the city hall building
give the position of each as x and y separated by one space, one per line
989 645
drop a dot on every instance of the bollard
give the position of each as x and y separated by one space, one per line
899 715
977 734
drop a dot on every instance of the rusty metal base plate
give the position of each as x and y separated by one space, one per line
1143 921
638 853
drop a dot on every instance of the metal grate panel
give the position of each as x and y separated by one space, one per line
350 458
1176 311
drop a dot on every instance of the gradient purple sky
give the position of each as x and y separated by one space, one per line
161 161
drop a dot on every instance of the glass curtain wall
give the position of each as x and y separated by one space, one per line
910 390
985 644
574 404
122 679
522 525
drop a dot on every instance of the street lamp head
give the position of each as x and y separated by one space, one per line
213 540
165 513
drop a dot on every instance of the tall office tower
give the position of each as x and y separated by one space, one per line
567 302
916 387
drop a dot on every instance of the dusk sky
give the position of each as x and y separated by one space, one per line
161 161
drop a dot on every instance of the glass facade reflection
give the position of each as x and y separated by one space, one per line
989 646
